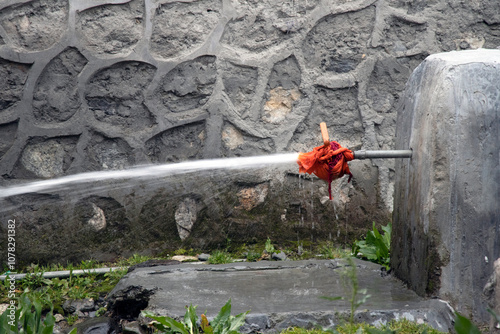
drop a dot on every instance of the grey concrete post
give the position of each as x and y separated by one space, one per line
446 220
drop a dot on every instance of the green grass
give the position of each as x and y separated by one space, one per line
220 257
401 326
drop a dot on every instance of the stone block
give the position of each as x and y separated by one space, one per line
446 220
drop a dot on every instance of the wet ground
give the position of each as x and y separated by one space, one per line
278 294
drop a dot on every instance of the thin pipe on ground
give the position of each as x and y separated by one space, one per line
65 273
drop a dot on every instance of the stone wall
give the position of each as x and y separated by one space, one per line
108 84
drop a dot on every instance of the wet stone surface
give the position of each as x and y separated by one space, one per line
278 294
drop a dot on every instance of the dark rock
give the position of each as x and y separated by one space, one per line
111 30
255 323
100 325
26 24
118 105
240 83
7 131
105 153
56 97
177 144
321 50
203 257
189 85
79 305
182 26
127 303
11 87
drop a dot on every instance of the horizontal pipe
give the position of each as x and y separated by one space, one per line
65 273
382 154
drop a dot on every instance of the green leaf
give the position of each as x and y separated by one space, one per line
237 321
173 325
222 317
375 247
332 298
464 325
190 319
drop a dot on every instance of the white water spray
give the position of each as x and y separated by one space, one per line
150 171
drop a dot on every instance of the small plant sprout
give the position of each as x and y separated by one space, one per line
358 296
269 248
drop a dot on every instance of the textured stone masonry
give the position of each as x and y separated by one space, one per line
108 84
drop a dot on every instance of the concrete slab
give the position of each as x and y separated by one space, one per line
278 294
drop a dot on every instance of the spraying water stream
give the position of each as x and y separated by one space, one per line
149 172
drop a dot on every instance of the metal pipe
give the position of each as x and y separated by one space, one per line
382 154
65 273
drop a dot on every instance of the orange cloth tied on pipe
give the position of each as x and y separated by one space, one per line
328 162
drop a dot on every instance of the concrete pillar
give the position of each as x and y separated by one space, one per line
446 220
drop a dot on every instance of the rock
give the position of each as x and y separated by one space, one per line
100 325
58 317
79 305
203 257
446 213
11 88
184 258
279 104
48 158
189 85
180 27
281 256
107 30
131 327
117 112
255 323
249 198
98 219
59 77
231 137
185 216
127 302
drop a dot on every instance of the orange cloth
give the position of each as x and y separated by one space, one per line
328 162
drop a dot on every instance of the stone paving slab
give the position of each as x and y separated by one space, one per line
279 294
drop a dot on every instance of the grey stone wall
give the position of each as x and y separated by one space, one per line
446 228
103 85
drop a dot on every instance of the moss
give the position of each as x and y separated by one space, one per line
433 265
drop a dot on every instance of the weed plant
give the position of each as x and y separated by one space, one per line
223 323
376 247
28 318
220 257
269 247
357 296
253 256
328 251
